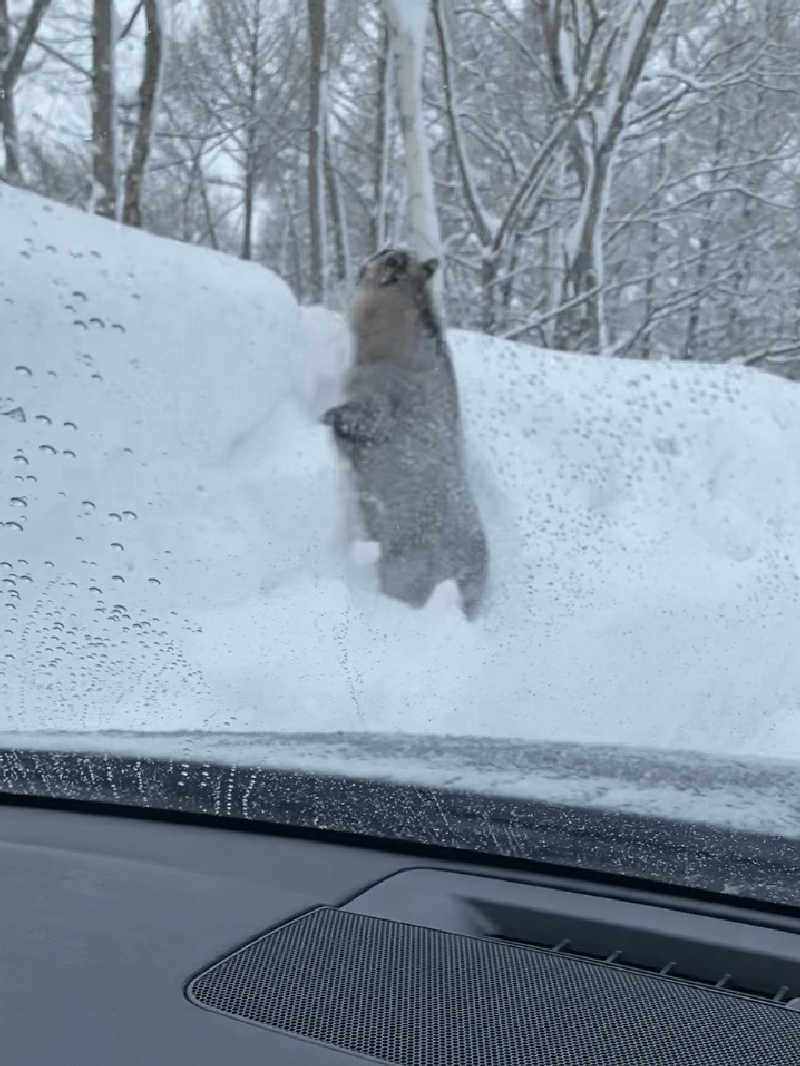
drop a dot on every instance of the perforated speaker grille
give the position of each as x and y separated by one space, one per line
419 997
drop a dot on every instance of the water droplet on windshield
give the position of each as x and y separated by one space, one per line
20 458
117 546
24 370
16 414
44 418
47 448
88 505
115 515
118 578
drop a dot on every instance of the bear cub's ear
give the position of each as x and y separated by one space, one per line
429 267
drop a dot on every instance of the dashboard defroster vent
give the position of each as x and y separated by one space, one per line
415 996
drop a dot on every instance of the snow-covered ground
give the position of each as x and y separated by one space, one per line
174 553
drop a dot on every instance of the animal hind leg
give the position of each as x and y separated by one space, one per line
472 573
407 576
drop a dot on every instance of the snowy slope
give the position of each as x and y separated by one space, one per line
187 567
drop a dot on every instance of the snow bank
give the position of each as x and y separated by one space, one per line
181 559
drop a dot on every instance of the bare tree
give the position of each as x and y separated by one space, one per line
407 22
564 154
493 230
582 45
251 131
148 91
338 217
104 169
316 146
235 83
12 59
383 113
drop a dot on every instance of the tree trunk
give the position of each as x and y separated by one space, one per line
187 229
596 139
289 206
338 220
489 265
8 118
742 274
11 63
251 139
382 126
407 21
582 328
104 180
695 309
316 148
576 328
654 240
211 228
148 93
246 251
507 288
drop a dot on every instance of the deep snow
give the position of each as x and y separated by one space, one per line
188 566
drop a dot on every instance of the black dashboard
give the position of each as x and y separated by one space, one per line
130 940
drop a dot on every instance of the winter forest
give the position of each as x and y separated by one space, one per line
615 176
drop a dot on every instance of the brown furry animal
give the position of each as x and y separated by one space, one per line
400 430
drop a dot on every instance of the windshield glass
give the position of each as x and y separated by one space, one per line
406 391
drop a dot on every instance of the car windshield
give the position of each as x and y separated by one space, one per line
407 391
